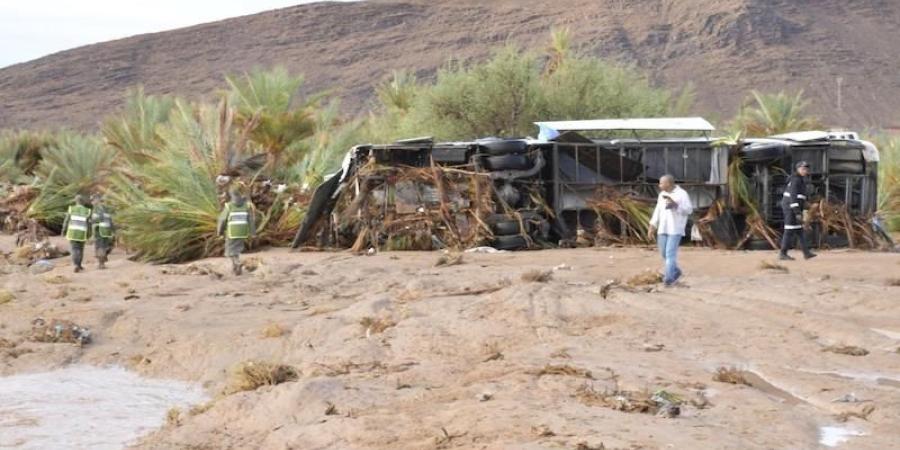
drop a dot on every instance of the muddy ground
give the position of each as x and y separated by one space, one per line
395 353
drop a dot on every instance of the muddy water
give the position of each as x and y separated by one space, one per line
85 407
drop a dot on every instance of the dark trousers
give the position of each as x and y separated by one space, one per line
793 229
787 241
77 249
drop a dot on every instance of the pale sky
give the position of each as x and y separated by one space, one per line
30 29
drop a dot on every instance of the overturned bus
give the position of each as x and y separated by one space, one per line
586 183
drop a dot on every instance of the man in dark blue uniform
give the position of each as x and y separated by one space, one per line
792 204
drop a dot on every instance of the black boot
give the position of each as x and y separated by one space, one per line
807 254
786 241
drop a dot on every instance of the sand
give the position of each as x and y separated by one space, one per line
452 357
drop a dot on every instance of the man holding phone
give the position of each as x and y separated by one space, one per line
673 207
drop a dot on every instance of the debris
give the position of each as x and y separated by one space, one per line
562 370
376 325
607 287
192 269
40 266
645 278
183 307
769 265
6 343
700 401
487 250
495 356
561 353
131 297
445 438
449 260
6 296
537 276
893 282
44 250
173 417
662 403
330 409
542 431
562 266
251 264
848 398
59 331
251 375
485 396
654 347
585 446
273 330
863 414
851 350
730 375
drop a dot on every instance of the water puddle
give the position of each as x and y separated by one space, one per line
86 407
834 436
887 333
870 377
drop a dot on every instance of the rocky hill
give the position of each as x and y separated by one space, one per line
725 47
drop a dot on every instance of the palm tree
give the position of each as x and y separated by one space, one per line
559 49
771 114
134 132
280 118
397 93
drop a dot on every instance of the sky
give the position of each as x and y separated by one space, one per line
30 29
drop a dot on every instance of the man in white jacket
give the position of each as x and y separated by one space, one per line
673 207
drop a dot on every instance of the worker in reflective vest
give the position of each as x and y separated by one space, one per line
76 229
793 203
237 225
103 230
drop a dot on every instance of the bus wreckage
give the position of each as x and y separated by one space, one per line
592 182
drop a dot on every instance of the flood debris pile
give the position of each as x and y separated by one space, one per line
59 331
660 403
580 184
413 208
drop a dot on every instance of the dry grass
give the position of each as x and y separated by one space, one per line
57 279
251 375
562 370
273 330
645 278
730 375
769 265
196 410
863 414
6 296
660 403
851 350
449 260
537 276
173 417
376 325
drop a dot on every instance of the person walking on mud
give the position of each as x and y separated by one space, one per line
793 203
673 207
76 228
103 230
237 225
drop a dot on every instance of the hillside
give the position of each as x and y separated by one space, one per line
725 47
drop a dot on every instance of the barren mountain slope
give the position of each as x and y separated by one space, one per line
725 47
